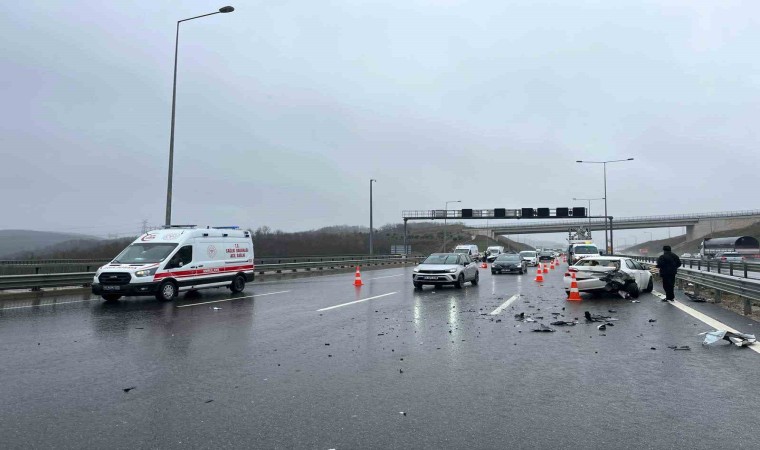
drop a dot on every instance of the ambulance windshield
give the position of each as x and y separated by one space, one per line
145 253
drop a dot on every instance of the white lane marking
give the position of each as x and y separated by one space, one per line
231 299
388 276
355 301
46 304
704 318
504 305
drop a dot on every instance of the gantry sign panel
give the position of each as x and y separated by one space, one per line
497 213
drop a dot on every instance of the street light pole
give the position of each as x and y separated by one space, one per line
606 215
371 227
223 10
445 217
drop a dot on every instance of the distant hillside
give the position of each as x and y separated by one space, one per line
18 241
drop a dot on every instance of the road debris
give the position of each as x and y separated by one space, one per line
216 308
596 317
561 323
129 388
738 339
602 327
543 329
675 347
652 320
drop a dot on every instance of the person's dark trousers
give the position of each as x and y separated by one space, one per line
668 283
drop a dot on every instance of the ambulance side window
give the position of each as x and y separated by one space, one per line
182 257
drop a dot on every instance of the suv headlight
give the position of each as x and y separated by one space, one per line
416 270
453 270
146 273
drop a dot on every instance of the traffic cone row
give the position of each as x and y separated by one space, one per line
575 295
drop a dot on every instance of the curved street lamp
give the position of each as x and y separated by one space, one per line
222 10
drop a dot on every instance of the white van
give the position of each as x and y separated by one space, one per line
178 258
471 250
578 251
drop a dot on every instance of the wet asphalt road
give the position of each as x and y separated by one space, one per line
259 373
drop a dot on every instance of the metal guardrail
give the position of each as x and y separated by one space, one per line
38 281
29 267
746 288
710 265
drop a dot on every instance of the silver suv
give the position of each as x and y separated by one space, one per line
446 268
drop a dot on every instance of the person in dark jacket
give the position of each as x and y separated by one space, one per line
668 263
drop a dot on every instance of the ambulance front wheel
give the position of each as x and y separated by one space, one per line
111 297
238 284
166 291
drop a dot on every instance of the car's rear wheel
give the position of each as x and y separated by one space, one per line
493 272
633 289
167 291
460 282
650 286
238 284
417 285
111 297
476 280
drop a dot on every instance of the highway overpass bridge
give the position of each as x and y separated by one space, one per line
697 225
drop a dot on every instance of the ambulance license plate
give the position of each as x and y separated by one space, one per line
111 288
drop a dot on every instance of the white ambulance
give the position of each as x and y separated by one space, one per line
178 258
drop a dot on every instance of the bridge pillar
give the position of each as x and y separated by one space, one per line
690 233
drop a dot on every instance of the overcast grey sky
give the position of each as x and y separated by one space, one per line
287 108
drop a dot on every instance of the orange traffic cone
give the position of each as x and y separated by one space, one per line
539 277
551 265
358 278
484 265
575 295
546 268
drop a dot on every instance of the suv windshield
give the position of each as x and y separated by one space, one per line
515 258
585 250
442 258
145 253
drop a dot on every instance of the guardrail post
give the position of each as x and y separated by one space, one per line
699 265
731 269
747 306
718 295
708 266
718 266
745 270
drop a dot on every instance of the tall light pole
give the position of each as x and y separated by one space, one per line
606 216
223 10
445 216
371 227
589 209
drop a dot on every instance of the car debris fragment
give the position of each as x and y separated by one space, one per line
736 338
543 329
561 323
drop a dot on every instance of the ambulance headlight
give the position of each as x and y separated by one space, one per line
146 272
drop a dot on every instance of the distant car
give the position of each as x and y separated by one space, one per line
530 257
686 255
731 257
446 268
494 252
588 271
545 256
509 263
